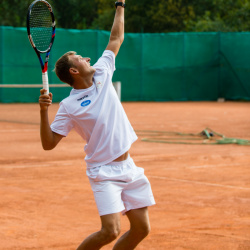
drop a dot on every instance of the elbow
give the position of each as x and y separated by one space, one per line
118 40
47 147
50 142
121 39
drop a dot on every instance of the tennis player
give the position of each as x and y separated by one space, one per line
94 110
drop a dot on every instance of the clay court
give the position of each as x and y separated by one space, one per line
202 191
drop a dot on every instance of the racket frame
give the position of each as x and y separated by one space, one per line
44 65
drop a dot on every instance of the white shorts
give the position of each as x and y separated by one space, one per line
120 187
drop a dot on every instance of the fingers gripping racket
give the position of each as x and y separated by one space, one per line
41 32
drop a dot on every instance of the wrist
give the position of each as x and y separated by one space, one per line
43 109
120 4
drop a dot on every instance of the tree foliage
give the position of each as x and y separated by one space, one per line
13 12
141 16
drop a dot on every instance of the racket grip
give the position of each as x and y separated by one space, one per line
45 82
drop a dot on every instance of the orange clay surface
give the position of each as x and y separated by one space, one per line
202 191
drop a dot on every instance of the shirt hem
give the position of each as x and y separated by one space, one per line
58 132
98 164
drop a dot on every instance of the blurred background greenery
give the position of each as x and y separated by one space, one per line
149 16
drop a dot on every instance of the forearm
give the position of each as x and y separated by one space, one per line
46 134
117 31
49 139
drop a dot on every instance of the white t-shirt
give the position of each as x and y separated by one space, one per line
97 115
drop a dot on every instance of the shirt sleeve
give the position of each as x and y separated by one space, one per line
106 61
62 123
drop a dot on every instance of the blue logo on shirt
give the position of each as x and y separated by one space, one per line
85 103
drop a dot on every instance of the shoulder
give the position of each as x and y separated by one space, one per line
106 61
66 102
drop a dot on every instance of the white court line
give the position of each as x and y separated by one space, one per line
198 182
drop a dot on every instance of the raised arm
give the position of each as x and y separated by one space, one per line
117 31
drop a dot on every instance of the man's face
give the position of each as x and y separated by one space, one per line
82 64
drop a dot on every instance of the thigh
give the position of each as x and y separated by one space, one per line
139 218
111 222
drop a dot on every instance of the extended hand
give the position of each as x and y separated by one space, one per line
45 100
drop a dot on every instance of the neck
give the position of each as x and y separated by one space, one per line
83 83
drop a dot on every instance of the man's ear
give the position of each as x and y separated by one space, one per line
73 71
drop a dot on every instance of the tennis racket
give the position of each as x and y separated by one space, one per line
41 32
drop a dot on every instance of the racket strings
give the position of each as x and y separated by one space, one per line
41 26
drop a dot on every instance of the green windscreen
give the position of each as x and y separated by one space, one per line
150 67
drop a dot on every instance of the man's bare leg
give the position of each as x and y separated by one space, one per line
139 229
109 232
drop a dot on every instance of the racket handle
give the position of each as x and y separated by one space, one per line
45 82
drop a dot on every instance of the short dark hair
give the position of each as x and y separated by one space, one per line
62 67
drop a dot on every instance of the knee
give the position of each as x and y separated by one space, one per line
146 230
110 234
143 231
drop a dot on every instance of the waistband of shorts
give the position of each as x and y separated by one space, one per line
119 163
